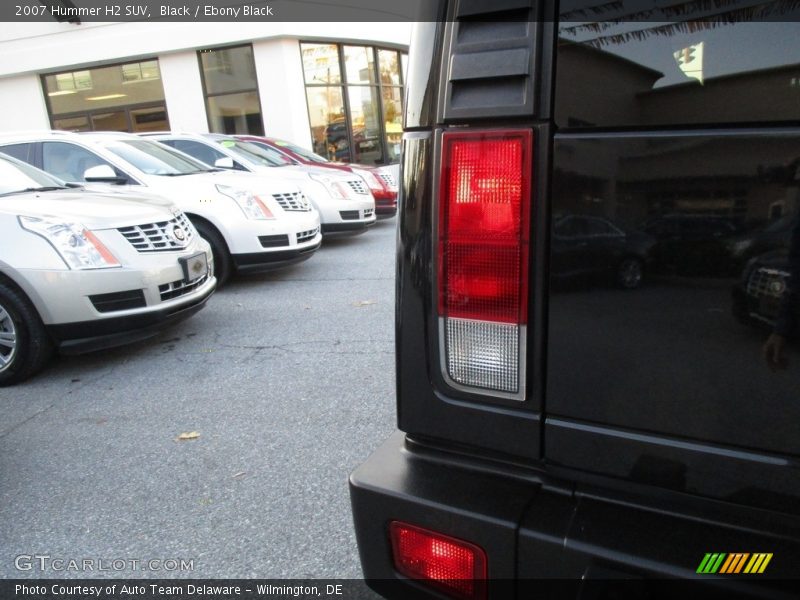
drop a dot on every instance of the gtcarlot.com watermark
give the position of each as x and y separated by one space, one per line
44 563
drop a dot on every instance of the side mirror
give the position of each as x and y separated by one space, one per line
102 174
226 162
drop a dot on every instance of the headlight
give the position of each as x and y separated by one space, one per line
78 246
335 188
252 206
371 180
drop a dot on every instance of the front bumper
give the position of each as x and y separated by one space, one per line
90 336
258 262
547 538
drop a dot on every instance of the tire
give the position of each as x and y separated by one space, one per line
25 346
223 265
630 273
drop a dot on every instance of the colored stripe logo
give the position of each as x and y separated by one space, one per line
734 563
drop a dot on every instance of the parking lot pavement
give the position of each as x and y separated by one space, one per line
288 378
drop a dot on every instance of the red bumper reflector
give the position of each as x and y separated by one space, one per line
453 566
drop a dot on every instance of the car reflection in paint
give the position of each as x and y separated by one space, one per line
590 248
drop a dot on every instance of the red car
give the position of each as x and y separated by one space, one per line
381 183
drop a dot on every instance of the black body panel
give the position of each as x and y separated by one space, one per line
675 379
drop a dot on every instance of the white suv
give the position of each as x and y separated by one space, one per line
83 270
252 223
344 201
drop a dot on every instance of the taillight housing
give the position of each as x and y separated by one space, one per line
483 259
455 567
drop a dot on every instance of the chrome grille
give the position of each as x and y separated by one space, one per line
358 186
767 282
388 179
174 289
294 202
159 237
304 236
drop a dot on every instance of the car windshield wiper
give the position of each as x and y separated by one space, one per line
44 188
178 174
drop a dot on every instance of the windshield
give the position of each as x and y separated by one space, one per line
300 151
255 154
17 176
153 158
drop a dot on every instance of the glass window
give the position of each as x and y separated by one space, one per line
320 63
231 87
682 72
328 124
365 123
235 113
357 117
253 153
104 87
155 159
263 152
389 70
149 119
15 178
140 71
68 161
110 121
393 121
229 69
359 65
19 151
306 154
72 124
202 152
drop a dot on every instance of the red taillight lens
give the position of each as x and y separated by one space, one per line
453 566
483 226
484 220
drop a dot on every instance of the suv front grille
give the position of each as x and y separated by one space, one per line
163 236
105 303
358 186
305 236
294 202
767 282
168 291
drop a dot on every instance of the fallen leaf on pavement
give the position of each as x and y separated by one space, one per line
191 435
364 303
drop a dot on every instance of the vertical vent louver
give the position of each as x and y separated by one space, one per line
491 59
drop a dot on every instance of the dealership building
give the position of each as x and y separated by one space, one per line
336 88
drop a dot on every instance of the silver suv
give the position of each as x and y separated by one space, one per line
83 271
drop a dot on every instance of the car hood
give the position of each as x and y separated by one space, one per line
300 173
203 184
94 209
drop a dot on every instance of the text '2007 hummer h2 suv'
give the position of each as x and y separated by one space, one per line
592 372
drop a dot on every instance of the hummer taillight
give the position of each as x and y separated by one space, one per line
484 220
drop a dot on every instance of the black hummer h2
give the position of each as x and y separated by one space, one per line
583 189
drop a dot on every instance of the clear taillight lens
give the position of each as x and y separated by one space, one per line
484 220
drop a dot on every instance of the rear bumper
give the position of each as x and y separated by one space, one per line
544 536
